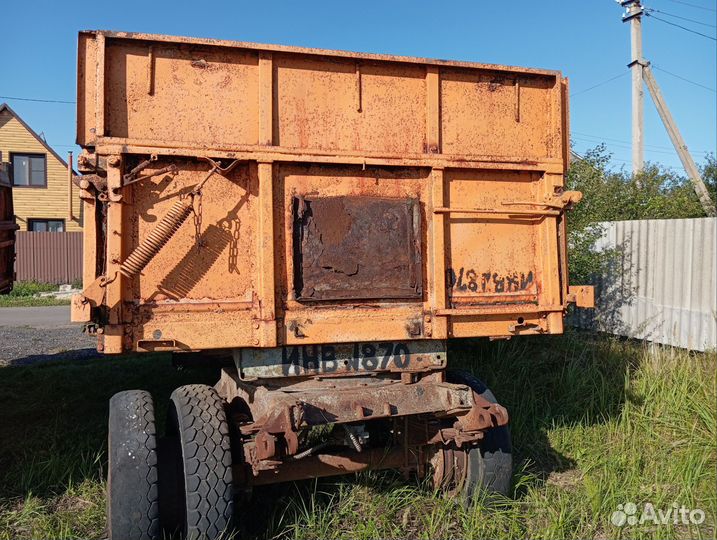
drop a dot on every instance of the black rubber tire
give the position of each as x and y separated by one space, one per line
198 424
132 480
490 465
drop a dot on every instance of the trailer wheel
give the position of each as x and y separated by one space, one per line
132 506
487 467
198 427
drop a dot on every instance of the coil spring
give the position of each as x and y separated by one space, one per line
165 229
353 438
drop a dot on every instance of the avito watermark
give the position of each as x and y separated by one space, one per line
631 514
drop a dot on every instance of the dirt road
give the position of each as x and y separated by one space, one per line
39 334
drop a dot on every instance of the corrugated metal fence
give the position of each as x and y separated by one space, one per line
48 257
661 285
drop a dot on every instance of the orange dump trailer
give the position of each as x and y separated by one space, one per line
327 220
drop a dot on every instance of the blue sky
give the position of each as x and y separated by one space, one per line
585 39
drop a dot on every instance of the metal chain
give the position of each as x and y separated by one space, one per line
234 248
197 209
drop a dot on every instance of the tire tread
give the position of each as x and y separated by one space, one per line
133 503
204 436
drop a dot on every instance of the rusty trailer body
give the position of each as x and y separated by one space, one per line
329 219
7 232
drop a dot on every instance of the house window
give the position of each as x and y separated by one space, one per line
29 170
46 225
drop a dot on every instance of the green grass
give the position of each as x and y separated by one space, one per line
596 422
23 295
31 301
31 288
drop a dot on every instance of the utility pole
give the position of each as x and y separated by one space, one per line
678 142
634 15
641 71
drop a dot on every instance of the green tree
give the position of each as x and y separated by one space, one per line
655 193
709 175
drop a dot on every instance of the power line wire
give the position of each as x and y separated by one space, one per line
648 9
612 158
627 146
680 26
693 5
656 146
599 84
686 80
39 100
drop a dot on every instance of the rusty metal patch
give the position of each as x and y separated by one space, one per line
348 248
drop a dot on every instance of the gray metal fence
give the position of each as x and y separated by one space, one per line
662 284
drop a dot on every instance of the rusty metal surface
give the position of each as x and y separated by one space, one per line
140 36
582 295
419 412
324 465
449 470
340 359
432 195
345 109
342 400
350 248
